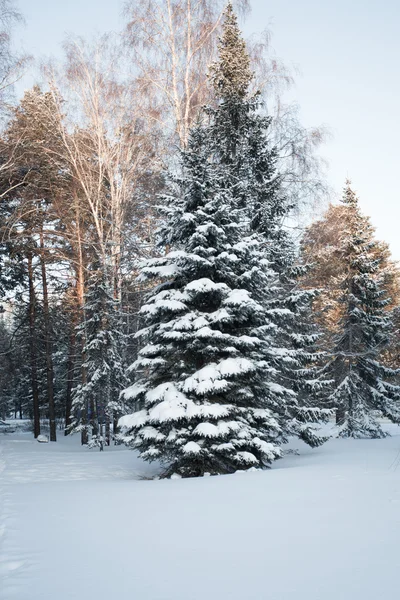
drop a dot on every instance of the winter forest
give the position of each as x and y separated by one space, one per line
182 296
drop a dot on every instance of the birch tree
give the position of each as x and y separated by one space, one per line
105 142
173 43
12 64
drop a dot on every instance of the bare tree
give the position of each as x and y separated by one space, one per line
174 42
105 142
12 64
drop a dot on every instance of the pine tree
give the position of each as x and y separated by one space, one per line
97 402
211 390
363 384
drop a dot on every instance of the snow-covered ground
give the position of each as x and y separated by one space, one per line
83 525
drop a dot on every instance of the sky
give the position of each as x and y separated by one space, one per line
349 80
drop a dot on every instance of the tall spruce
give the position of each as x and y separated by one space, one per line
212 390
241 139
364 387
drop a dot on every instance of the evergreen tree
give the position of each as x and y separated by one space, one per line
97 402
7 375
241 139
323 249
362 383
17 358
212 389
231 75
303 366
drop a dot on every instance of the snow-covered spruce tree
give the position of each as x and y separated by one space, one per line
297 338
97 402
210 385
240 133
363 384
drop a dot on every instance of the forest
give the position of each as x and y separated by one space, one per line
163 283
199 336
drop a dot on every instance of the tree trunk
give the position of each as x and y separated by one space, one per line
70 377
93 419
32 345
84 419
49 350
80 292
340 415
107 432
115 429
351 307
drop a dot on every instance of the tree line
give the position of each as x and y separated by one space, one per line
153 290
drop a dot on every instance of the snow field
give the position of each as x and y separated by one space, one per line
80 525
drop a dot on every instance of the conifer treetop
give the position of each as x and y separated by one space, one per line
231 74
349 196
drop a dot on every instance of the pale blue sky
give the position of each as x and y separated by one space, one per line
347 52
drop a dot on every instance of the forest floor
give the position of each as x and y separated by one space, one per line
78 524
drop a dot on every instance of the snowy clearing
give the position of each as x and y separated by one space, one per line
78 524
